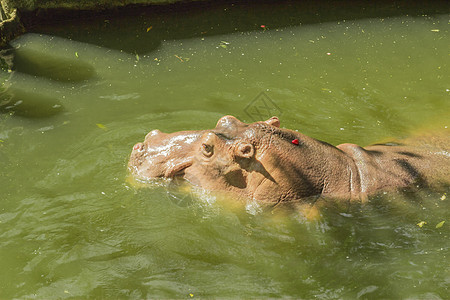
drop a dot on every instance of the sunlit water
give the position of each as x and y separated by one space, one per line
71 225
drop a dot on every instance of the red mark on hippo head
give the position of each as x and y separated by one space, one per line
295 142
137 146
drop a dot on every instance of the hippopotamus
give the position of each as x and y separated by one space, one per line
273 165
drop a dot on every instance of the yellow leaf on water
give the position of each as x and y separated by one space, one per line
439 225
224 44
192 295
420 224
443 197
101 126
435 30
149 28
76 54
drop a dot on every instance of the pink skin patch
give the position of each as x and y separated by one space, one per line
295 142
137 146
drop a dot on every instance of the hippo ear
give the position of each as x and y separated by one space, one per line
244 150
228 122
274 121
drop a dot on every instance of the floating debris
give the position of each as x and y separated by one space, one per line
179 58
420 224
440 224
224 44
101 126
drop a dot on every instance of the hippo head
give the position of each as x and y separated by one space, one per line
259 161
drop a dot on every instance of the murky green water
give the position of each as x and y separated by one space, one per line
72 227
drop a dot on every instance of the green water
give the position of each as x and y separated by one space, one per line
82 94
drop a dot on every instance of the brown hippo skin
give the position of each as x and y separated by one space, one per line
264 162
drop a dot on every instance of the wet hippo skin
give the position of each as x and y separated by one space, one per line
270 164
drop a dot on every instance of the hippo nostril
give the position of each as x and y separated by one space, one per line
138 146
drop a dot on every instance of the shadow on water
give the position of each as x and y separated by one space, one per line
55 68
30 103
27 103
154 24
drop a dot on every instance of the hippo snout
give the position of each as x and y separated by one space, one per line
163 154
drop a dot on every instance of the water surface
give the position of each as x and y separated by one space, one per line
82 95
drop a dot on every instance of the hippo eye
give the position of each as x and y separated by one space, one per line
207 150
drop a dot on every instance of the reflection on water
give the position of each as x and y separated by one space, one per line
72 226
